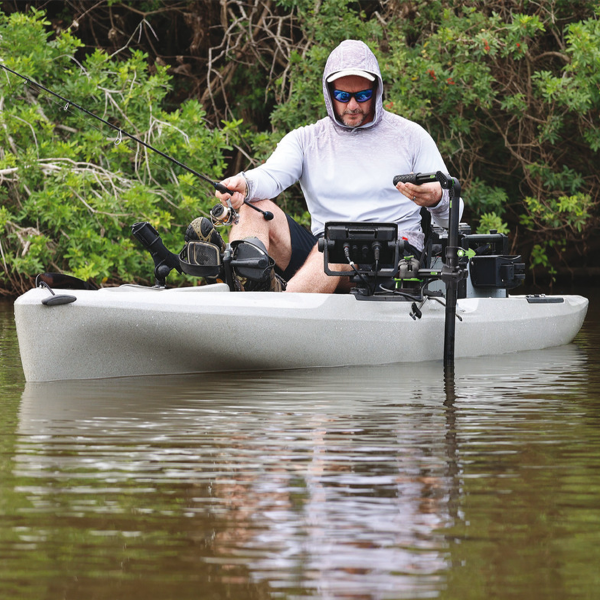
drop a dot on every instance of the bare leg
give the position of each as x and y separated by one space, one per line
274 234
311 277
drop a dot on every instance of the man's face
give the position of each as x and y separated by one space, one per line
353 114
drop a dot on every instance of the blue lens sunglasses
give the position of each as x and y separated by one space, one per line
345 97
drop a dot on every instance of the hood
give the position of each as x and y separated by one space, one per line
353 54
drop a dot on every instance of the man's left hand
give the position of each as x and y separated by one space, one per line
427 194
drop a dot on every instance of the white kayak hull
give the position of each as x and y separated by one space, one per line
133 331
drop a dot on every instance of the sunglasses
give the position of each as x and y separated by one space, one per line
345 97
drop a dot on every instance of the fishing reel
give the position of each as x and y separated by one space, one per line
224 215
227 215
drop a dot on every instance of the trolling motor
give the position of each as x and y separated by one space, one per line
454 270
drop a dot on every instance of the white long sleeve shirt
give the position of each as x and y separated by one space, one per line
346 173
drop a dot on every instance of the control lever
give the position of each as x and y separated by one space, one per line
416 178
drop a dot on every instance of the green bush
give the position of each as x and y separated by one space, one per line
71 188
509 90
510 93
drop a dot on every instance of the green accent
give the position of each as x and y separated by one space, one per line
471 253
399 281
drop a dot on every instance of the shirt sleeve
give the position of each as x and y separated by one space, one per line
281 170
430 155
441 213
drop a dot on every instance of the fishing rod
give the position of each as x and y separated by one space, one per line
218 186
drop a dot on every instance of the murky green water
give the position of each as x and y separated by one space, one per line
370 483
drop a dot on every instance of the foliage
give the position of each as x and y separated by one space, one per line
555 221
70 188
510 91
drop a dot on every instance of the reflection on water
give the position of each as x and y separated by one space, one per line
338 483
332 480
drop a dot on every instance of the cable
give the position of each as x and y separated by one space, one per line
351 263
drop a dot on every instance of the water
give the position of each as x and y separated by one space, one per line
362 483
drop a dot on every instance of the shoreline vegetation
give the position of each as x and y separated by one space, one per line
509 90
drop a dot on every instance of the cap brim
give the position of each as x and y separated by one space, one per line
348 72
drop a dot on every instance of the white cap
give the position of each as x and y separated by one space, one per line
347 72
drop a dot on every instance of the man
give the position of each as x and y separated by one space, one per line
345 164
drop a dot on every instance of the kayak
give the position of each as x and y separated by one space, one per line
397 312
136 330
142 331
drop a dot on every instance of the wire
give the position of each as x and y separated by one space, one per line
351 263
399 293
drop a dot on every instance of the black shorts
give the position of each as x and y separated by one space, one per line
303 241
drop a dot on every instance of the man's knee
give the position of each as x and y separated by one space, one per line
248 213
274 232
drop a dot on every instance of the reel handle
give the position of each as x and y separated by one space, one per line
268 216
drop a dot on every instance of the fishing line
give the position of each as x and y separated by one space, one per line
66 107
121 132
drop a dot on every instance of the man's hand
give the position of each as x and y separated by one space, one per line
427 194
237 184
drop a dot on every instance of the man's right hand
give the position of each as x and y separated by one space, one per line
237 184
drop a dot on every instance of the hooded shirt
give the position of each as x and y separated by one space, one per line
346 173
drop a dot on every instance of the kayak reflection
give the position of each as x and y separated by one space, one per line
342 480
